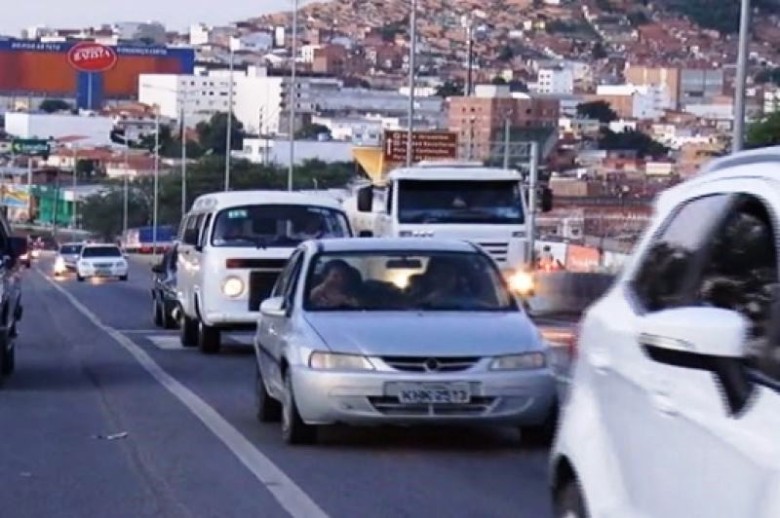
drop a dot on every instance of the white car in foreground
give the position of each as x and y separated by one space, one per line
674 408
399 331
101 261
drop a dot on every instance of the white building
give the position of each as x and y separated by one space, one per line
649 102
270 151
308 53
149 31
93 130
771 101
555 81
199 96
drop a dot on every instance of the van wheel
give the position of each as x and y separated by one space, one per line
268 409
79 278
208 339
569 502
188 331
168 322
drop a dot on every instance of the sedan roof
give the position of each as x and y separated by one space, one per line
394 244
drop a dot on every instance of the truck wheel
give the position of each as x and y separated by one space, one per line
188 331
79 278
208 339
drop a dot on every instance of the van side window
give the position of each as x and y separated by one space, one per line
204 230
191 233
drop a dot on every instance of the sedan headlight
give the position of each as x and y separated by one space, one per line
342 362
232 287
519 362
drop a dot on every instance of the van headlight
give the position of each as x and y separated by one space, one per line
519 362
232 287
340 362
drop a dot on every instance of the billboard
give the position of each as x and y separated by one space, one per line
33 68
14 196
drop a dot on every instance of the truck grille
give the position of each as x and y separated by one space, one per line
261 283
498 250
430 364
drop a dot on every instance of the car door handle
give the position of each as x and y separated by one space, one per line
600 361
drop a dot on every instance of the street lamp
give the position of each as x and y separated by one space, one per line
293 95
738 139
412 67
156 178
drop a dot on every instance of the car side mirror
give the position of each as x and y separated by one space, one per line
365 233
702 338
273 307
17 247
365 199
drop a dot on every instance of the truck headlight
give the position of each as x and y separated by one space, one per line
519 362
521 282
342 362
233 287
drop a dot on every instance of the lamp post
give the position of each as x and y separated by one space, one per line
738 139
229 130
293 94
412 67
75 186
155 202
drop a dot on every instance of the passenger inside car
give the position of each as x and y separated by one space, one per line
339 287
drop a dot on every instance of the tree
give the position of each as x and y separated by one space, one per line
498 80
54 105
633 140
212 135
768 75
103 213
165 141
764 132
312 131
599 110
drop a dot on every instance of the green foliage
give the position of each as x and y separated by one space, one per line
768 75
599 110
637 141
54 105
102 214
212 135
764 133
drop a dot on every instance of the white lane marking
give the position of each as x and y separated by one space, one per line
147 332
167 343
289 495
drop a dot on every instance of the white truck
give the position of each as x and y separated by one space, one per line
457 200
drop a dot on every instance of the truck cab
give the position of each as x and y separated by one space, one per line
468 201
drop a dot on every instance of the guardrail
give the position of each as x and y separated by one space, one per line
568 292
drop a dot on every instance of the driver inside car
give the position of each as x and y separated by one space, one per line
338 287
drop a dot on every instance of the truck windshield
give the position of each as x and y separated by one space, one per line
279 226
434 201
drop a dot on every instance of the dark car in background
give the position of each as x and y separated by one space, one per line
164 298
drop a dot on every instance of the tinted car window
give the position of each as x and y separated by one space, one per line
70 249
101 251
667 268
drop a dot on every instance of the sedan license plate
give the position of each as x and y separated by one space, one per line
434 393
103 272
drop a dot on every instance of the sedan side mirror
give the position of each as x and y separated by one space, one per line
702 338
273 307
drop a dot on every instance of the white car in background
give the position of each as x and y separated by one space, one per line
103 260
67 257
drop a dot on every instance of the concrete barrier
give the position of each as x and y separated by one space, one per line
568 292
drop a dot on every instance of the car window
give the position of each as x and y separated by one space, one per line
70 249
406 281
666 270
291 288
284 278
191 233
101 251
740 273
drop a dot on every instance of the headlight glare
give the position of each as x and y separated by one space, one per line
519 362
233 287
342 362
521 282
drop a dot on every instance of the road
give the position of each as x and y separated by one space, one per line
91 365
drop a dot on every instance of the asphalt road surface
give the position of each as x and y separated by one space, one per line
108 416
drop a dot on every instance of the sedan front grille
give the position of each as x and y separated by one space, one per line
431 363
390 406
261 284
103 265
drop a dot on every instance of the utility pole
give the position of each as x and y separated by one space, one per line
412 72
507 138
155 202
470 59
183 163
293 93
738 139
75 186
125 190
533 180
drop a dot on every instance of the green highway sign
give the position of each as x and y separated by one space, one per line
31 147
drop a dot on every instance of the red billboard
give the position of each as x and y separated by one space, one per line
45 69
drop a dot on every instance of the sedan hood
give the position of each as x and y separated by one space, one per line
425 334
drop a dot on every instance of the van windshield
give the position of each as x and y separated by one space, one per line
278 226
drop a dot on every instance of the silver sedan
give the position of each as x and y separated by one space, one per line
398 331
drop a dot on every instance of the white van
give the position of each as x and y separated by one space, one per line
232 247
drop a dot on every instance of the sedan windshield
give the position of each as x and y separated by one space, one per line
276 225
101 251
408 281
70 249
460 202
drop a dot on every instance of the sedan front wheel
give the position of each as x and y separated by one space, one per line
294 430
569 502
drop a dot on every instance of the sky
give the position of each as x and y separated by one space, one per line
175 14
